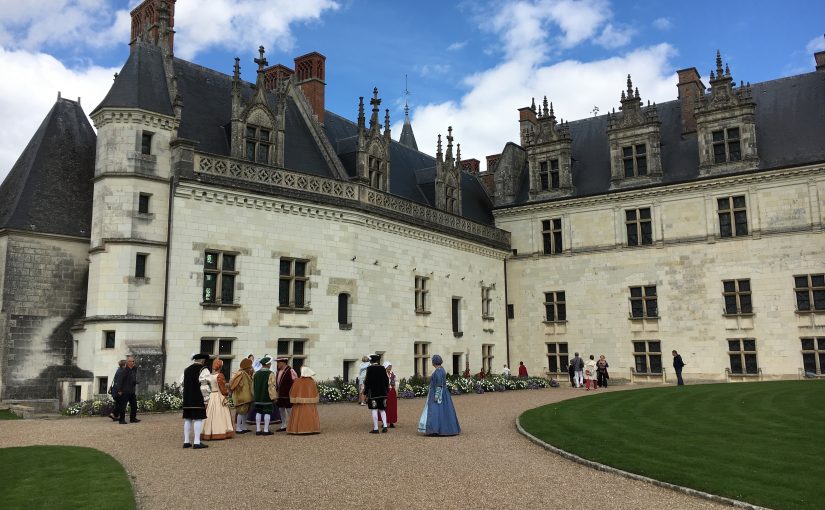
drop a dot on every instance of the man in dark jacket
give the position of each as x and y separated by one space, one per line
376 389
125 384
677 366
121 366
194 407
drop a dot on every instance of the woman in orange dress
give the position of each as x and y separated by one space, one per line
304 398
218 422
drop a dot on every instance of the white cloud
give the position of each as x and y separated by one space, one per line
662 23
241 24
614 37
458 45
815 44
30 95
433 69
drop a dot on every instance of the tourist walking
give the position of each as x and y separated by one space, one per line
263 391
240 387
438 417
285 377
359 381
601 372
590 373
522 370
304 398
392 398
571 372
113 390
218 423
678 364
126 386
194 381
505 371
376 388
578 369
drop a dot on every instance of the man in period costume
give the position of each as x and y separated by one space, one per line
263 390
286 376
376 389
195 377
241 387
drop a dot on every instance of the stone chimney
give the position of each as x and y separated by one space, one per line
153 21
492 161
471 166
526 122
691 89
309 70
489 181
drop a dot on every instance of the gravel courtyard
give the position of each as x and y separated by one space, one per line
490 465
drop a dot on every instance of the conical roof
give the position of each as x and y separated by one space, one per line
407 137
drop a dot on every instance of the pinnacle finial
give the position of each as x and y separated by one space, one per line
551 109
727 70
637 92
387 119
261 61
718 63
629 87
438 146
544 105
533 105
712 77
237 68
458 152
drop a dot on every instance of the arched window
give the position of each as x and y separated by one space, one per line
343 311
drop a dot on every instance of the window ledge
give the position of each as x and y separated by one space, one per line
145 216
488 318
554 322
295 309
220 305
458 334
735 374
344 327
653 318
809 312
139 280
738 314
423 312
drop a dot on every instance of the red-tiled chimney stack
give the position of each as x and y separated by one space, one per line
472 165
154 22
492 161
691 89
309 69
273 76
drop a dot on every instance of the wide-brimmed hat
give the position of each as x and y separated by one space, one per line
266 360
375 358
199 355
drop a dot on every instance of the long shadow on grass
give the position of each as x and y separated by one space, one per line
756 442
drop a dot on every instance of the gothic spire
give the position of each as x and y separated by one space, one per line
361 120
375 102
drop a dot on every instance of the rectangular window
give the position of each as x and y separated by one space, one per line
737 295
742 353
456 315
554 173
487 358
551 236
634 160
733 216
486 302
295 350
555 309
810 292
813 355
511 311
726 145
421 360
140 265
422 294
102 385
146 143
108 339
257 143
643 302
343 310
219 348
219 274
639 225
143 203
557 357
544 176
647 355
293 283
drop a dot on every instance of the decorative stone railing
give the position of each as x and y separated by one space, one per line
271 176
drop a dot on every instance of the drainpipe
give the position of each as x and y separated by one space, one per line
506 315
172 184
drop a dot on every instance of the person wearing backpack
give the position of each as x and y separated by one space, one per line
578 369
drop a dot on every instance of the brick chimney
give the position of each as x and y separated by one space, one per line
153 21
309 70
489 181
492 161
691 89
526 121
274 75
819 56
471 166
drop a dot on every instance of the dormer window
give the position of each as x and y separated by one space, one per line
726 145
258 142
376 177
634 158
451 193
549 174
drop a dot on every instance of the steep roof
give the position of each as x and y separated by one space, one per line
141 83
790 130
407 138
50 188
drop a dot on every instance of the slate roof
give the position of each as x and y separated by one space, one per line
407 137
790 130
49 188
141 83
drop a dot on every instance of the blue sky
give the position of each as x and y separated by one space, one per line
470 64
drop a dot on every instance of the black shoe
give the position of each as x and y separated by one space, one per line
187 445
122 422
374 431
280 430
135 420
199 446
269 433
242 431
392 425
258 432
384 430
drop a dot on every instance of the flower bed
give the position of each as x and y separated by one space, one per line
170 399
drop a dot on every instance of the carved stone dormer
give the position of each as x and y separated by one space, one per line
726 125
257 128
448 176
372 158
635 142
548 145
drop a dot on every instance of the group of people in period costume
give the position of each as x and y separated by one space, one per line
588 373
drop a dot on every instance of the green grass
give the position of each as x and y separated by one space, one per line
756 442
5 414
59 477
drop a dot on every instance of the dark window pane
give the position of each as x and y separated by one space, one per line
656 364
343 308
548 247
730 305
554 180
819 300
210 261
208 346
543 167
297 363
283 347
630 214
745 303
545 224
635 292
225 347
557 224
627 152
557 248
636 309
822 362
143 204
729 285
654 346
300 268
647 233
718 136
800 281
644 213
228 262
298 348
146 144
511 311
283 293
739 201
250 132
725 229
563 362
553 363
554 164
559 296
808 344
744 285
749 344
639 347
821 343
264 135
563 349
733 345
299 293
263 153
628 168
286 267
733 133
228 289
750 363
549 313
652 308
632 235
719 153
209 286
818 280
650 290
545 183
549 297
250 151
641 363
562 311
741 219
110 340
723 204
551 348
456 327
641 149
641 165
803 300
735 364
226 370
140 266
809 362
734 151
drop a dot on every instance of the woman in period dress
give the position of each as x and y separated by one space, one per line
392 398
304 398
218 423
241 387
439 418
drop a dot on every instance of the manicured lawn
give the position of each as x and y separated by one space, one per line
757 442
62 477
5 414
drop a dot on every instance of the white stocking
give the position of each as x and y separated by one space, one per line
267 417
239 423
258 422
384 417
187 425
198 429
284 416
375 419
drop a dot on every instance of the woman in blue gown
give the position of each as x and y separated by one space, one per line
439 418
